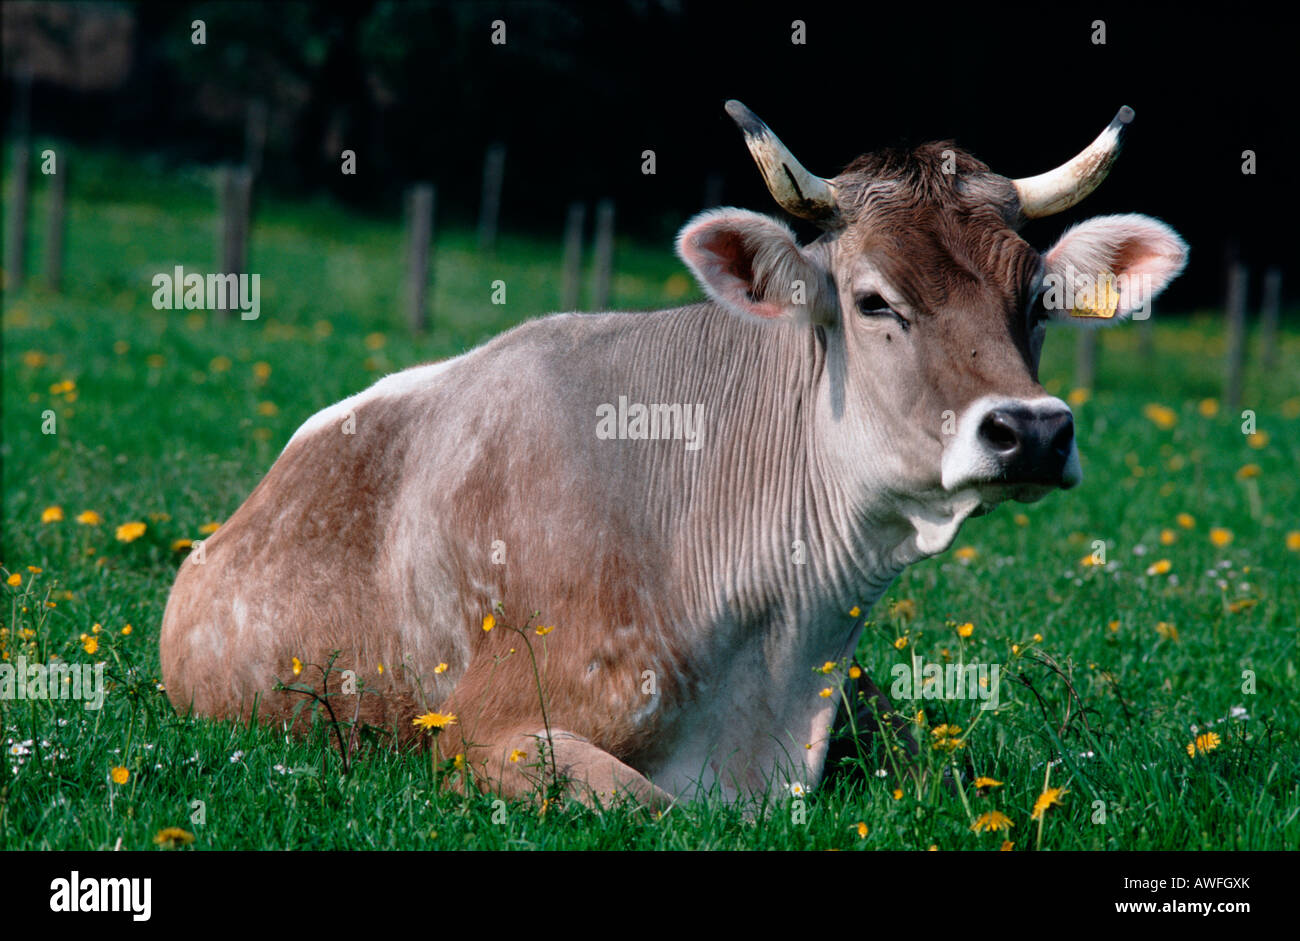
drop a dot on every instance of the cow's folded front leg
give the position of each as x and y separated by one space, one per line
872 725
535 763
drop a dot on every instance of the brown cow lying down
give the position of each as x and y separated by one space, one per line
693 499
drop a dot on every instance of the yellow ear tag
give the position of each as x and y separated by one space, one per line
1100 303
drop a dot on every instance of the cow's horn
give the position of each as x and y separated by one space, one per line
1059 189
799 192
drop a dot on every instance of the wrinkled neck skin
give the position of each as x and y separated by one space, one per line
801 503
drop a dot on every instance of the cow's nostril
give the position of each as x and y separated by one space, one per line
1063 440
998 432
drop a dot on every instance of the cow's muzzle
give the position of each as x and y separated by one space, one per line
1013 448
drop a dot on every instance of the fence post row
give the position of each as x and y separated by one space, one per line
419 241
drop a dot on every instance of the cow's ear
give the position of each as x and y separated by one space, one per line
751 265
1108 268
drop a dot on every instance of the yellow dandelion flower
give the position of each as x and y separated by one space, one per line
993 821
855 672
52 514
489 622
1079 396
1007 846
1208 407
1112 626
1244 604
1258 440
828 666
1293 540
854 611
261 371
966 553
1159 568
1162 416
898 794
90 644
1248 471
1168 537
14 580
297 666
1185 520
1038 638
130 532
1205 742
208 529
120 775
862 830
172 837
900 643
267 408
380 668
1220 536
1021 519
517 754
126 630
459 761
440 668
985 781
434 720
826 693
965 630
543 631
180 544
1051 796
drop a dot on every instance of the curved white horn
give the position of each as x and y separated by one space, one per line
1059 189
799 192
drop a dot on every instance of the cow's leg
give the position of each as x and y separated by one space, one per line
872 722
521 764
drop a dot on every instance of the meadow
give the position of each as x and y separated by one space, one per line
1149 688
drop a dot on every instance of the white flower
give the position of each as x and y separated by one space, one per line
1239 712
796 789
19 749
882 773
236 757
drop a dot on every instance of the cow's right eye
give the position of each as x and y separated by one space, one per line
873 305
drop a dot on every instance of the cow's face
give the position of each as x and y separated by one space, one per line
934 311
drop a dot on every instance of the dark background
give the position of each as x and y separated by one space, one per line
580 90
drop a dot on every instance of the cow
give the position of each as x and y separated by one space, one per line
613 552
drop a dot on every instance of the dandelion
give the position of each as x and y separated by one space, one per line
489 622
126 630
14 580
1220 536
440 668
898 794
1038 638
90 644
1159 568
1258 440
180 544
1168 537
130 532
261 371
1007 846
1112 626
966 553
825 693
900 643
459 761
172 837
1208 407
985 781
1205 742
1051 796
862 830
854 611
828 666
268 409
1293 540
120 775
434 720
1248 471
1079 396
517 754
855 672
965 630
1162 416
380 668
297 666
543 631
52 514
208 529
993 820
1021 519
1185 520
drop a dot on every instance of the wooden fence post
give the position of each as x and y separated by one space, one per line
419 243
55 224
1268 315
1235 361
572 256
494 168
604 261
235 196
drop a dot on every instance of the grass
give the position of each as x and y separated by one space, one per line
170 419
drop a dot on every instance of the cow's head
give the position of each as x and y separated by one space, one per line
931 306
